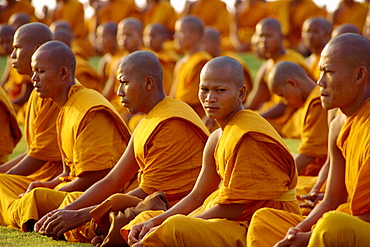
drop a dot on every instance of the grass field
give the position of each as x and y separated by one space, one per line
16 238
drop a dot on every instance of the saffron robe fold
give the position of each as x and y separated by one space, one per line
160 12
83 149
168 146
256 169
355 147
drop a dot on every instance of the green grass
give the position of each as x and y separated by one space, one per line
13 237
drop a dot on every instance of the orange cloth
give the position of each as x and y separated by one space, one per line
73 12
10 133
354 145
18 6
87 76
117 10
354 14
256 169
311 121
187 77
160 12
168 146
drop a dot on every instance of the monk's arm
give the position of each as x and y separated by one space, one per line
11 163
109 89
321 178
336 192
25 166
275 111
260 92
302 162
123 171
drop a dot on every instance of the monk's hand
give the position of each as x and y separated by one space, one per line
40 224
139 231
62 220
311 199
295 238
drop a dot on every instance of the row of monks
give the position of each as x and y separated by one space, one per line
80 137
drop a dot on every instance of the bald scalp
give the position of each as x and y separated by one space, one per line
351 49
270 23
19 19
345 28
212 33
109 28
157 28
230 68
60 54
6 30
138 26
322 23
143 64
285 70
35 33
194 23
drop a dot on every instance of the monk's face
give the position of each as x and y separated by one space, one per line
183 36
291 94
268 39
314 35
22 53
129 38
153 39
337 79
105 41
131 89
45 75
6 43
219 95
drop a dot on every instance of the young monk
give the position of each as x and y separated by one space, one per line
344 83
269 40
245 144
166 146
87 154
154 37
188 35
42 161
291 82
316 33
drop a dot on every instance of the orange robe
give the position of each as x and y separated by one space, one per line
18 6
117 10
10 133
311 121
160 12
187 76
168 146
355 146
87 75
256 169
83 148
355 14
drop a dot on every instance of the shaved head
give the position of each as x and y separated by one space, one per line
211 41
271 23
6 30
60 24
64 36
345 28
351 49
194 23
322 23
285 70
59 53
19 19
133 22
227 67
36 33
108 28
6 39
143 64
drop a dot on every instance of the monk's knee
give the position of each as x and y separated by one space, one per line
179 225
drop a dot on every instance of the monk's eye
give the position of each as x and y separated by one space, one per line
221 90
203 89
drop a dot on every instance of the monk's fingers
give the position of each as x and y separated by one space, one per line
133 236
44 221
283 243
292 232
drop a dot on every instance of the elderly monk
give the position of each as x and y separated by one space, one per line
316 33
344 83
88 155
166 146
10 133
226 193
291 82
42 161
154 37
270 44
188 37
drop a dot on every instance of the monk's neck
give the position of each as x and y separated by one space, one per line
348 111
192 50
278 54
154 101
62 98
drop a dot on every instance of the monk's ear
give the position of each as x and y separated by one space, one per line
64 73
291 82
242 93
361 74
149 82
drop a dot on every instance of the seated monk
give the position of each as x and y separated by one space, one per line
88 155
166 148
226 194
342 218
